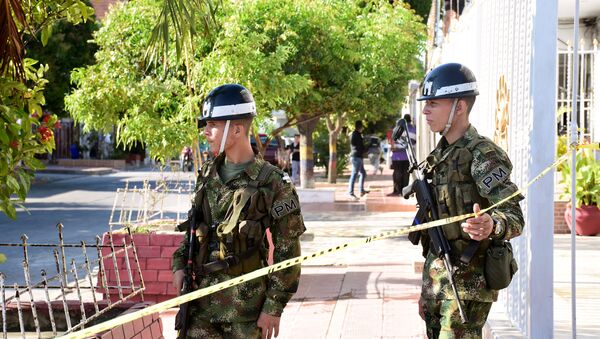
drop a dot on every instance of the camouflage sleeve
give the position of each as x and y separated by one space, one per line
491 170
286 227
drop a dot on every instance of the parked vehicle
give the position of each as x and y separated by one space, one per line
275 152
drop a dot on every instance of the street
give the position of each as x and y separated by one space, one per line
82 203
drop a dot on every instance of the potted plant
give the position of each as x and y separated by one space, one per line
587 194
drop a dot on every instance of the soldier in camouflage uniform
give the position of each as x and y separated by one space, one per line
468 172
232 237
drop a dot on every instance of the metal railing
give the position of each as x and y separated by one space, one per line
66 287
135 206
586 98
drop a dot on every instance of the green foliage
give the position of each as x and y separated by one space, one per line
262 46
306 57
587 178
66 49
321 149
147 106
27 132
421 8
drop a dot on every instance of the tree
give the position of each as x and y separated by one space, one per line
313 59
149 105
421 8
293 56
26 131
66 49
389 39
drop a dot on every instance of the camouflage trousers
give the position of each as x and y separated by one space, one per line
443 319
206 330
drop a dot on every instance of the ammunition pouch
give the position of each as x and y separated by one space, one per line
240 248
500 265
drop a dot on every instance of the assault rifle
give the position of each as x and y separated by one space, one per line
182 318
427 211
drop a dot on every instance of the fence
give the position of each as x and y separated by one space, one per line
160 201
66 301
587 79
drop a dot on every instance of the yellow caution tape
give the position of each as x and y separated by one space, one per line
404 229
595 146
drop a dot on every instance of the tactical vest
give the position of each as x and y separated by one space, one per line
239 237
455 190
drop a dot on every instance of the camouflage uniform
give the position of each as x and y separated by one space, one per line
471 170
233 312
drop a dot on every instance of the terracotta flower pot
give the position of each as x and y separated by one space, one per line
587 219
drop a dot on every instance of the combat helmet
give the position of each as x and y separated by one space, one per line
450 80
227 102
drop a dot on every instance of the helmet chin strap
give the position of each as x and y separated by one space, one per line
224 138
450 118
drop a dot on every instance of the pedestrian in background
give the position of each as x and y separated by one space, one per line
239 196
400 163
294 149
469 173
357 151
374 154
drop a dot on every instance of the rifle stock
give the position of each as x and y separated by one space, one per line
427 212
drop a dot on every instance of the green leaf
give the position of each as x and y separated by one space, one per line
12 183
9 210
2 258
46 32
34 164
4 138
25 179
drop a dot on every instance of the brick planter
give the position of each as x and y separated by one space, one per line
560 225
148 327
155 252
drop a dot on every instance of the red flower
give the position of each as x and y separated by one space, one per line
14 144
46 118
46 133
35 115
57 124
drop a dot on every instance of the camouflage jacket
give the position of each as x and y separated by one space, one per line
268 294
471 170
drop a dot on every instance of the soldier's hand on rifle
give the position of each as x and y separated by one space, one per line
178 280
480 227
269 324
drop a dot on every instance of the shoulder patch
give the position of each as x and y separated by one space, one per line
494 177
285 206
286 178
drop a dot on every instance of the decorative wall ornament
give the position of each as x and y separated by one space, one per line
502 114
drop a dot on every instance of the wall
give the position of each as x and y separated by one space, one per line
148 327
155 252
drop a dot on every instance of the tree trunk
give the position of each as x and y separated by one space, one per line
332 167
307 163
334 131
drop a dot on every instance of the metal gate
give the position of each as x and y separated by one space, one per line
68 300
